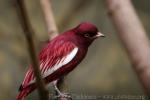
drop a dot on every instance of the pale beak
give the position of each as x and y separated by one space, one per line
99 35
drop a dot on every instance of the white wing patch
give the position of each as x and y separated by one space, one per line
62 62
59 64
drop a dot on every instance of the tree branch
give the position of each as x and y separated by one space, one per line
21 10
133 37
49 18
53 31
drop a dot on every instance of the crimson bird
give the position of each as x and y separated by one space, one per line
60 56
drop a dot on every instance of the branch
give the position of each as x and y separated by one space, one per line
21 10
133 37
49 18
53 31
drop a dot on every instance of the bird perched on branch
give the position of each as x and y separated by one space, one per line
60 56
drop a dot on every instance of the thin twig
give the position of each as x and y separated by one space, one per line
21 10
133 36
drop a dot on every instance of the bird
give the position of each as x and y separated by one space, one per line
60 56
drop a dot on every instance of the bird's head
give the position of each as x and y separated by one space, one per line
87 32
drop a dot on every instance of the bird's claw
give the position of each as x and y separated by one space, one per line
63 95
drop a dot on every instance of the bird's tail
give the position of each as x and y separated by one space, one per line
22 94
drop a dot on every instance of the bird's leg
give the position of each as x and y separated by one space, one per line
59 93
55 86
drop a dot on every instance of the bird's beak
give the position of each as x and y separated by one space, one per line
99 34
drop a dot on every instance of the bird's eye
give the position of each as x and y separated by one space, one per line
86 35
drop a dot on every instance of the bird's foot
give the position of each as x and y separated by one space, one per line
63 95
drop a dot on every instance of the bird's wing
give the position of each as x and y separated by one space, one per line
52 57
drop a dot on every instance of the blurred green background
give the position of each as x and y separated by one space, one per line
105 70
